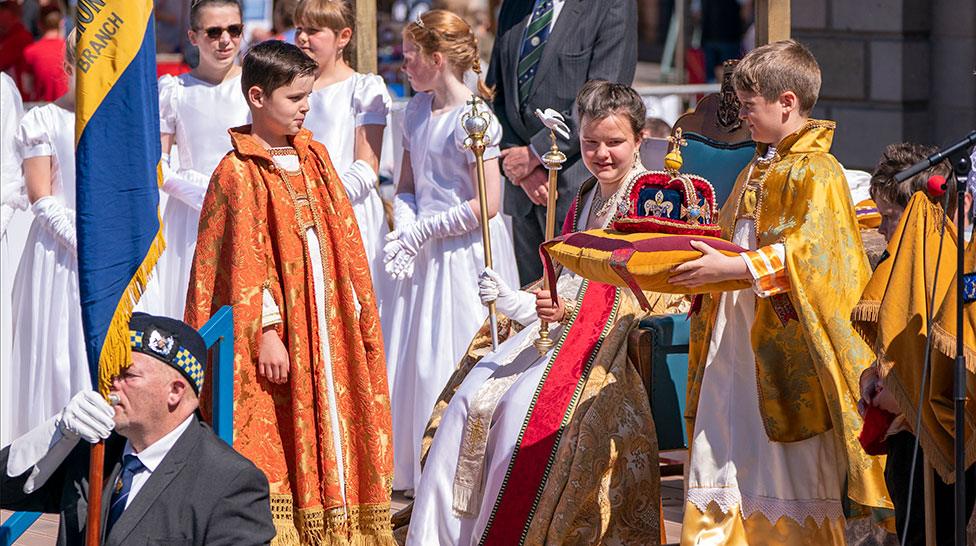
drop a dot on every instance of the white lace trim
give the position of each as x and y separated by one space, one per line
726 498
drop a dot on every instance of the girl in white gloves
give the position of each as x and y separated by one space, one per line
347 112
435 250
49 363
556 448
195 111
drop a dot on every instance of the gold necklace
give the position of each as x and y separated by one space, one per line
602 205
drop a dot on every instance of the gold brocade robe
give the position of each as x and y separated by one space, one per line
252 237
603 485
894 314
808 356
943 373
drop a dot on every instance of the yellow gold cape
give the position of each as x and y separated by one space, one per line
808 356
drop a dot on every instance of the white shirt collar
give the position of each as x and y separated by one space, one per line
153 455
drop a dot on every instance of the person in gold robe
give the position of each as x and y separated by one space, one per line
557 447
910 294
278 241
773 371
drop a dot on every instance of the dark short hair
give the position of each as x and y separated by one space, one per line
50 17
898 157
273 64
599 99
197 6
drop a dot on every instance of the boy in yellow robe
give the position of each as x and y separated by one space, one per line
773 371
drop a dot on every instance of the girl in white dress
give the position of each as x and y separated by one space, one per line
347 113
435 250
48 339
12 197
195 111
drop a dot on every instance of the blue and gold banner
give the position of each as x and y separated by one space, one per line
118 150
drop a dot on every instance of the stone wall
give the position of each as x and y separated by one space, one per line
893 70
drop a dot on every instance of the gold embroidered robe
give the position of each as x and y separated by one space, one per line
808 357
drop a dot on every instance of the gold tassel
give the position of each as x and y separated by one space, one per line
946 344
384 538
116 351
866 311
285 534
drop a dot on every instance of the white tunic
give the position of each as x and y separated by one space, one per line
11 198
271 313
436 312
48 356
733 462
198 114
335 111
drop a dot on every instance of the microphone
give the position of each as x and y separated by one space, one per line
965 143
936 186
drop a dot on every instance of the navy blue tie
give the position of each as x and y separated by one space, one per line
131 465
536 34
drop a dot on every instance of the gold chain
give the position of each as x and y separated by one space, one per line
313 210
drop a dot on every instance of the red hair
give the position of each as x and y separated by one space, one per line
440 31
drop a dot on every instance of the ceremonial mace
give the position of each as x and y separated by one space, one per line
553 161
475 124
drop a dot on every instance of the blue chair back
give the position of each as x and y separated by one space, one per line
669 378
716 161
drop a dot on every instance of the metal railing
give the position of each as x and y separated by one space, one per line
218 334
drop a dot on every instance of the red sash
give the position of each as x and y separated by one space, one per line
553 404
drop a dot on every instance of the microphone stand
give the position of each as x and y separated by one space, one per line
961 166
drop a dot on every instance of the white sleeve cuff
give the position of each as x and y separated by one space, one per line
270 313
43 449
370 118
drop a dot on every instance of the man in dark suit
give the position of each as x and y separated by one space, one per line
168 478
541 61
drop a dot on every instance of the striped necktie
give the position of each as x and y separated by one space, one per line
131 465
536 33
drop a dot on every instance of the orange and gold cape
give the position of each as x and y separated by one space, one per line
252 237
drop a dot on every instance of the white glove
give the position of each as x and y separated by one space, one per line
46 446
400 252
6 214
87 416
359 180
187 185
54 217
517 305
404 214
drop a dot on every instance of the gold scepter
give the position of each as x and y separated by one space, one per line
553 161
475 124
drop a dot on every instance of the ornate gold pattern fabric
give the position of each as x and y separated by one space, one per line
253 237
807 370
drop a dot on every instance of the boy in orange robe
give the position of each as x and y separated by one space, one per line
278 241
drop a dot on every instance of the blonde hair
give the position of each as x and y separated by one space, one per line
334 15
440 31
773 69
70 45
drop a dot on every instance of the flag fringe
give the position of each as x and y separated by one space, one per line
116 350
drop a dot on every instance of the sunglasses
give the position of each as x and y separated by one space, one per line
214 33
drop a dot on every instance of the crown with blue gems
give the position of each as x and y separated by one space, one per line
669 201
172 342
